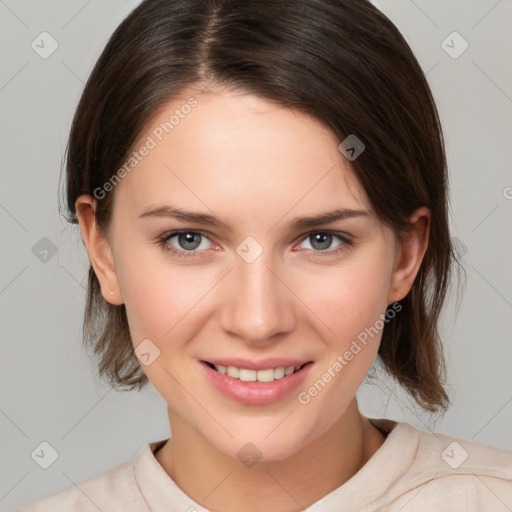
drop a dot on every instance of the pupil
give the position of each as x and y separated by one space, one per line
186 240
323 240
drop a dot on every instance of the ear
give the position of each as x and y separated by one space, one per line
410 254
98 248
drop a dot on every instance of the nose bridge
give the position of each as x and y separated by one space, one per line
257 306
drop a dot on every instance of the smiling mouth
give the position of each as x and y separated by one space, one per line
265 375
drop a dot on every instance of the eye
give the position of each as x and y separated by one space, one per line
184 243
187 243
321 242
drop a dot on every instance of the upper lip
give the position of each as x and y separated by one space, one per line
257 364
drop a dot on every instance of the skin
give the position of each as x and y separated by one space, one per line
257 166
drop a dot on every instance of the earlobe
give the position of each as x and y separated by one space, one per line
98 249
410 254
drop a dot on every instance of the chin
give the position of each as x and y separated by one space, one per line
261 446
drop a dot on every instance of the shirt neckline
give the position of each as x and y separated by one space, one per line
386 466
395 455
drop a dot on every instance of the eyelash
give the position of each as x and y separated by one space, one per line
345 243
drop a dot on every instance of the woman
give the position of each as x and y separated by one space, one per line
261 188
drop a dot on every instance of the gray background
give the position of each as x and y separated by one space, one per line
49 391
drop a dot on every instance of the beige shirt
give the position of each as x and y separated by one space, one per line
412 471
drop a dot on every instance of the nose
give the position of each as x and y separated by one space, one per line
257 304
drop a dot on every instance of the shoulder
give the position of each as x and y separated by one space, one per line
115 489
448 473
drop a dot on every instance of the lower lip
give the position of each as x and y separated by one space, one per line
255 393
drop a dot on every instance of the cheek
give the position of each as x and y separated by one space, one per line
157 295
351 303
351 299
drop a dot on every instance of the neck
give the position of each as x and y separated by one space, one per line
219 483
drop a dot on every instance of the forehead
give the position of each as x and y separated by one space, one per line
239 151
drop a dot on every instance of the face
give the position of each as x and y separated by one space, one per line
252 282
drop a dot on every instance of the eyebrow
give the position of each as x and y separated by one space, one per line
214 221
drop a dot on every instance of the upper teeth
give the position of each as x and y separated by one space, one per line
256 375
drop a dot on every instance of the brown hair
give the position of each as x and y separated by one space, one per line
341 61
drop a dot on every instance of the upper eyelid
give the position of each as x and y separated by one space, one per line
342 237
172 234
